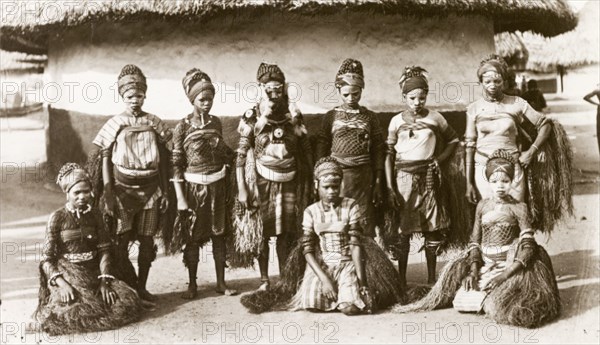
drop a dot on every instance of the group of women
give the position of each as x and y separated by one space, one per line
362 185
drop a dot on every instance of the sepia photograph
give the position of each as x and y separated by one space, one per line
300 172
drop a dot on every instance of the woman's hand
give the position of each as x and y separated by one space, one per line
109 296
329 290
377 195
243 197
67 293
368 299
471 193
470 282
182 204
526 157
110 202
164 204
494 282
392 196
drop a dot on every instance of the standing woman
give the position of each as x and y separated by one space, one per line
590 99
272 172
493 122
201 164
132 170
352 135
538 144
419 140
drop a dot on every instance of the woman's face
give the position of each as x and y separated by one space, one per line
350 95
492 83
273 90
416 99
134 100
204 101
329 191
80 195
500 183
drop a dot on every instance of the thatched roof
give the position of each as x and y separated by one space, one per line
511 47
21 62
27 24
575 48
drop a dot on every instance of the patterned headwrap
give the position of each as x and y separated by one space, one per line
269 72
71 174
327 169
493 63
413 78
350 73
131 77
196 81
500 161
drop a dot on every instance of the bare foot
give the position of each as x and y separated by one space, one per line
191 292
223 290
265 286
147 305
145 295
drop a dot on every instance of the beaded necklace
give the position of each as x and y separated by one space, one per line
201 126
78 212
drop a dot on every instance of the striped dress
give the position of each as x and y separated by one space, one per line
331 225
132 144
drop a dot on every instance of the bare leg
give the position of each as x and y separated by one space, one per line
402 253
433 240
125 267
282 251
431 263
263 265
145 258
191 257
219 255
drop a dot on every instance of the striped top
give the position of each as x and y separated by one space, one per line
331 225
135 140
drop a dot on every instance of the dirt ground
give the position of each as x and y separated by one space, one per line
27 199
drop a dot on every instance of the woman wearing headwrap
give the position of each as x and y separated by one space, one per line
333 267
77 291
352 134
503 272
500 121
335 220
419 140
273 169
202 166
134 177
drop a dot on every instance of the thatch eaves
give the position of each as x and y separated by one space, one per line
27 24
572 49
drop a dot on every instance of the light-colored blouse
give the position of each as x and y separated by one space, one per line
495 124
418 142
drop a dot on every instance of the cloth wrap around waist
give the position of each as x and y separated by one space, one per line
134 192
426 180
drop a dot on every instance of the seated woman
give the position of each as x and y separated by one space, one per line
504 272
77 292
341 260
341 281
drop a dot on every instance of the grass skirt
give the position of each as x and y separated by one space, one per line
382 279
528 299
88 313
